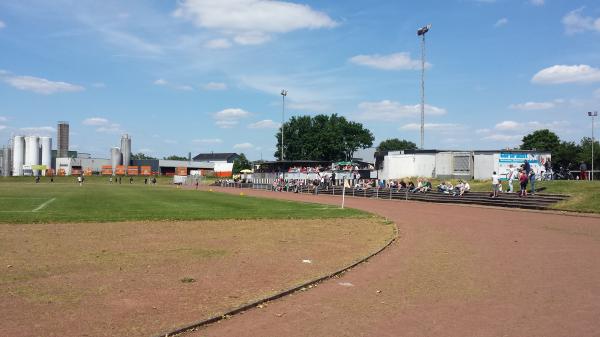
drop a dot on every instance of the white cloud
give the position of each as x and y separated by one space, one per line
537 2
225 124
559 74
2 127
218 44
397 61
391 111
2 24
208 141
41 85
38 130
503 137
215 86
265 124
431 126
311 106
165 83
229 118
110 128
508 125
575 22
501 22
533 105
251 21
531 125
96 121
243 146
3 119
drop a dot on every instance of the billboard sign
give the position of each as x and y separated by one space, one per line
516 159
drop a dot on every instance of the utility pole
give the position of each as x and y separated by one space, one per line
593 114
421 32
283 94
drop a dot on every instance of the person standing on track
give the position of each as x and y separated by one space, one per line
495 185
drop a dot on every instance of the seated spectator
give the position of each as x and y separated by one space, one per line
402 184
426 186
410 186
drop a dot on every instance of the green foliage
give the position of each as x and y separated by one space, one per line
541 140
322 137
175 157
396 144
241 163
585 154
140 156
564 154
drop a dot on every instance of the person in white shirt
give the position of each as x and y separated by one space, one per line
495 184
511 177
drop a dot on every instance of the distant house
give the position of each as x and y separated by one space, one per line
216 157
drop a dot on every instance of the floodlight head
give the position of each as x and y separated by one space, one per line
423 30
284 92
594 113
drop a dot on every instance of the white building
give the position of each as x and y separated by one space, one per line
456 164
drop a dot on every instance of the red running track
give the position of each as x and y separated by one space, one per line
454 271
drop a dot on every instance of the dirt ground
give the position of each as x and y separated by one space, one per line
143 278
454 271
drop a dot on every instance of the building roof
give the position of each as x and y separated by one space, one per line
214 156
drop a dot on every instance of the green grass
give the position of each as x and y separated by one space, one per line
99 201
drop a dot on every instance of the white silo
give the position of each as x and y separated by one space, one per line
126 150
115 158
18 155
6 153
32 152
46 145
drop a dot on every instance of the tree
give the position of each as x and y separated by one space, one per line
565 155
141 156
322 137
174 157
396 144
241 163
541 140
585 155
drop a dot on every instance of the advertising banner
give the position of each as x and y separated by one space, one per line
107 170
132 171
516 159
181 171
120 170
146 170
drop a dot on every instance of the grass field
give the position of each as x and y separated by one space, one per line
23 201
134 260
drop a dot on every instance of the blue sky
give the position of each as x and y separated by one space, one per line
200 75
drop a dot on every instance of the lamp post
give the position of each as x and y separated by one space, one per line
283 94
421 32
593 114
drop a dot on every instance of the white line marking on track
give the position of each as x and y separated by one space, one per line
40 207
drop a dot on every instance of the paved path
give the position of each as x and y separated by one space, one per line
454 271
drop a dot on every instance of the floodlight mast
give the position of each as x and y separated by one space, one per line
421 32
593 114
283 94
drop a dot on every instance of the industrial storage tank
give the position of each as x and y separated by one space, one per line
46 144
126 150
32 152
18 155
6 161
115 158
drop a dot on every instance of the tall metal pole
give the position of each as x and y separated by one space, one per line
283 94
421 32
593 115
422 91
